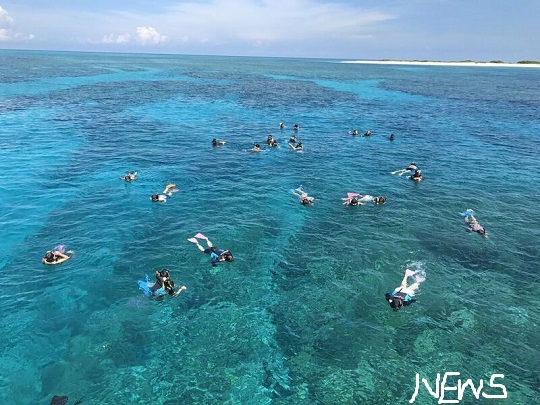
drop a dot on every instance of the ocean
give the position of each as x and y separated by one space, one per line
300 316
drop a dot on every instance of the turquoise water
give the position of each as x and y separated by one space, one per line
299 317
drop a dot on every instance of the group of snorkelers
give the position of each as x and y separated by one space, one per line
271 141
355 132
158 197
400 297
352 199
163 278
355 199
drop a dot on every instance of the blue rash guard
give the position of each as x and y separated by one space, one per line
407 300
215 253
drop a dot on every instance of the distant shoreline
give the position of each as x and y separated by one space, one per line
434 63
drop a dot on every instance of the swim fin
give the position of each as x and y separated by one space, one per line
193 240
201 236
409 273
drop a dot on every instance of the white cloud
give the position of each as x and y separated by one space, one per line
249 23
142 36
4 35
5 19
149 35
213 26
266 21
116 39
7 33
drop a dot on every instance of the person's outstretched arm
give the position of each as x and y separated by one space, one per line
179 291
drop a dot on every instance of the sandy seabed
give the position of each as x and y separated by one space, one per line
433 63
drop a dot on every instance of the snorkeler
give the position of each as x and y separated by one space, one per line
417 176
216 255
298 146
302 196
402 295
55 256
296 127
354 132
474 225
293 139
168 192
352 200
271 141
281 125
410 168
392 137
163 280
256 148
367 133
129 176
216 143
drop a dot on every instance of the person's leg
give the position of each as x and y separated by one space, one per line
404 282
413 287
199 246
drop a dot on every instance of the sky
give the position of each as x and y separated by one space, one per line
443 30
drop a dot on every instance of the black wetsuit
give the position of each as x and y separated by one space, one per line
215 254
163 282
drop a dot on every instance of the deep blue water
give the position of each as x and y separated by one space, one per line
300 316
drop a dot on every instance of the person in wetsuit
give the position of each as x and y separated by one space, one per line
474 226
129 176
163 280
54 257
216 255
402 295
168 192
417 176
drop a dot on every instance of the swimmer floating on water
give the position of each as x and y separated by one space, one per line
302 196
281 125
417 176
354 199
474 225
402 295
163 280
271 141
216 143
298 146
129 176
293 140
410 168
56 256
256 148
216 255
168 192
